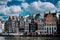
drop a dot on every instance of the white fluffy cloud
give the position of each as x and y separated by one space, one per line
16 9
42 6
39 7
2 8
35 7
25 5
47 6
4 1
12 10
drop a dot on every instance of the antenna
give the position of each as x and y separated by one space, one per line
56 11
49 12
44 12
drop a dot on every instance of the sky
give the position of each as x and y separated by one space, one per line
26 7
30 1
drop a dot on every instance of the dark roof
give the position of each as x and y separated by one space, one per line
54 14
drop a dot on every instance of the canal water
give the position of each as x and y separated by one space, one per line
27 38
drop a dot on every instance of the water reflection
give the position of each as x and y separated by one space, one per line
26 38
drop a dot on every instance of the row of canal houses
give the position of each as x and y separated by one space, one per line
46 25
